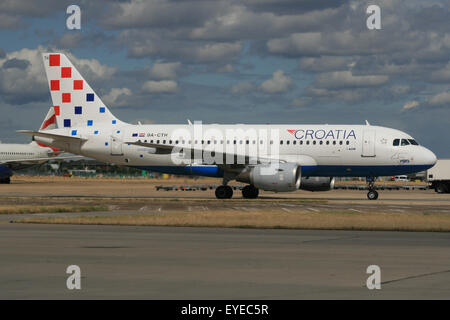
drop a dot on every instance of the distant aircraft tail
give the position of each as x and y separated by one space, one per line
75 104
49 123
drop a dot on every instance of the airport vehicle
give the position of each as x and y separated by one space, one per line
278 158
439 176
401 178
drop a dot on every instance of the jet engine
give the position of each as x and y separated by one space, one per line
280 177
317 183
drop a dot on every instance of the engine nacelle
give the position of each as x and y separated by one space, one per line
317 183
280 177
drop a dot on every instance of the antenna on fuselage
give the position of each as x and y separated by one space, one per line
189 122
367 123
139 123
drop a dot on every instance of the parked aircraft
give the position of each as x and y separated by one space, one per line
20 156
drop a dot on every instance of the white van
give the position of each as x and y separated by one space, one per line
401 178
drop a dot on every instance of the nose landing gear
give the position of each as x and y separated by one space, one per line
372 194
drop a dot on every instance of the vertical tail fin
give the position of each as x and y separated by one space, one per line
49 121
75 104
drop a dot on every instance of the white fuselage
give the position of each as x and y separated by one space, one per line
20 156
320 150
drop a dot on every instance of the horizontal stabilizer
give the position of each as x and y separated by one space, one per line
51 136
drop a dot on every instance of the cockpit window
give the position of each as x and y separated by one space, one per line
405 142
396 142
413 142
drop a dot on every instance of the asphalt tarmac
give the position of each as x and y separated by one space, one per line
197 263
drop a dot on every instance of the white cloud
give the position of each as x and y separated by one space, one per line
29 83
166 70
410 105
164 86
115 96
439 99
278 83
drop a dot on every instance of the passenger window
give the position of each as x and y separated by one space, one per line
396 142
294 142
405 142
281 141
287 141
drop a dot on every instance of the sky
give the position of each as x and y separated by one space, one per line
247 61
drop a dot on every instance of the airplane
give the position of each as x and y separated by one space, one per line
20 156
278 158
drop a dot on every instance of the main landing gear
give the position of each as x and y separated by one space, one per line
5 180
250 192
226 192
372 194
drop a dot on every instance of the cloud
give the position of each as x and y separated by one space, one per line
159 14
440 99
301 102
326 63
116 97
242 87
441 75
16 63
12 12
9 22
277 84
228 68
23 79
167 70
411 105
164 86
345 79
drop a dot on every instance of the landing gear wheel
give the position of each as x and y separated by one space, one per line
250 192
372 195
6 181
224 192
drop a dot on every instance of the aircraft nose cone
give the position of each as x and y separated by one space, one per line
430 158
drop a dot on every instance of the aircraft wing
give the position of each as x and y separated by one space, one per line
167 149
37 160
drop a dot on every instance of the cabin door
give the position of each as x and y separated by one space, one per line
368 143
